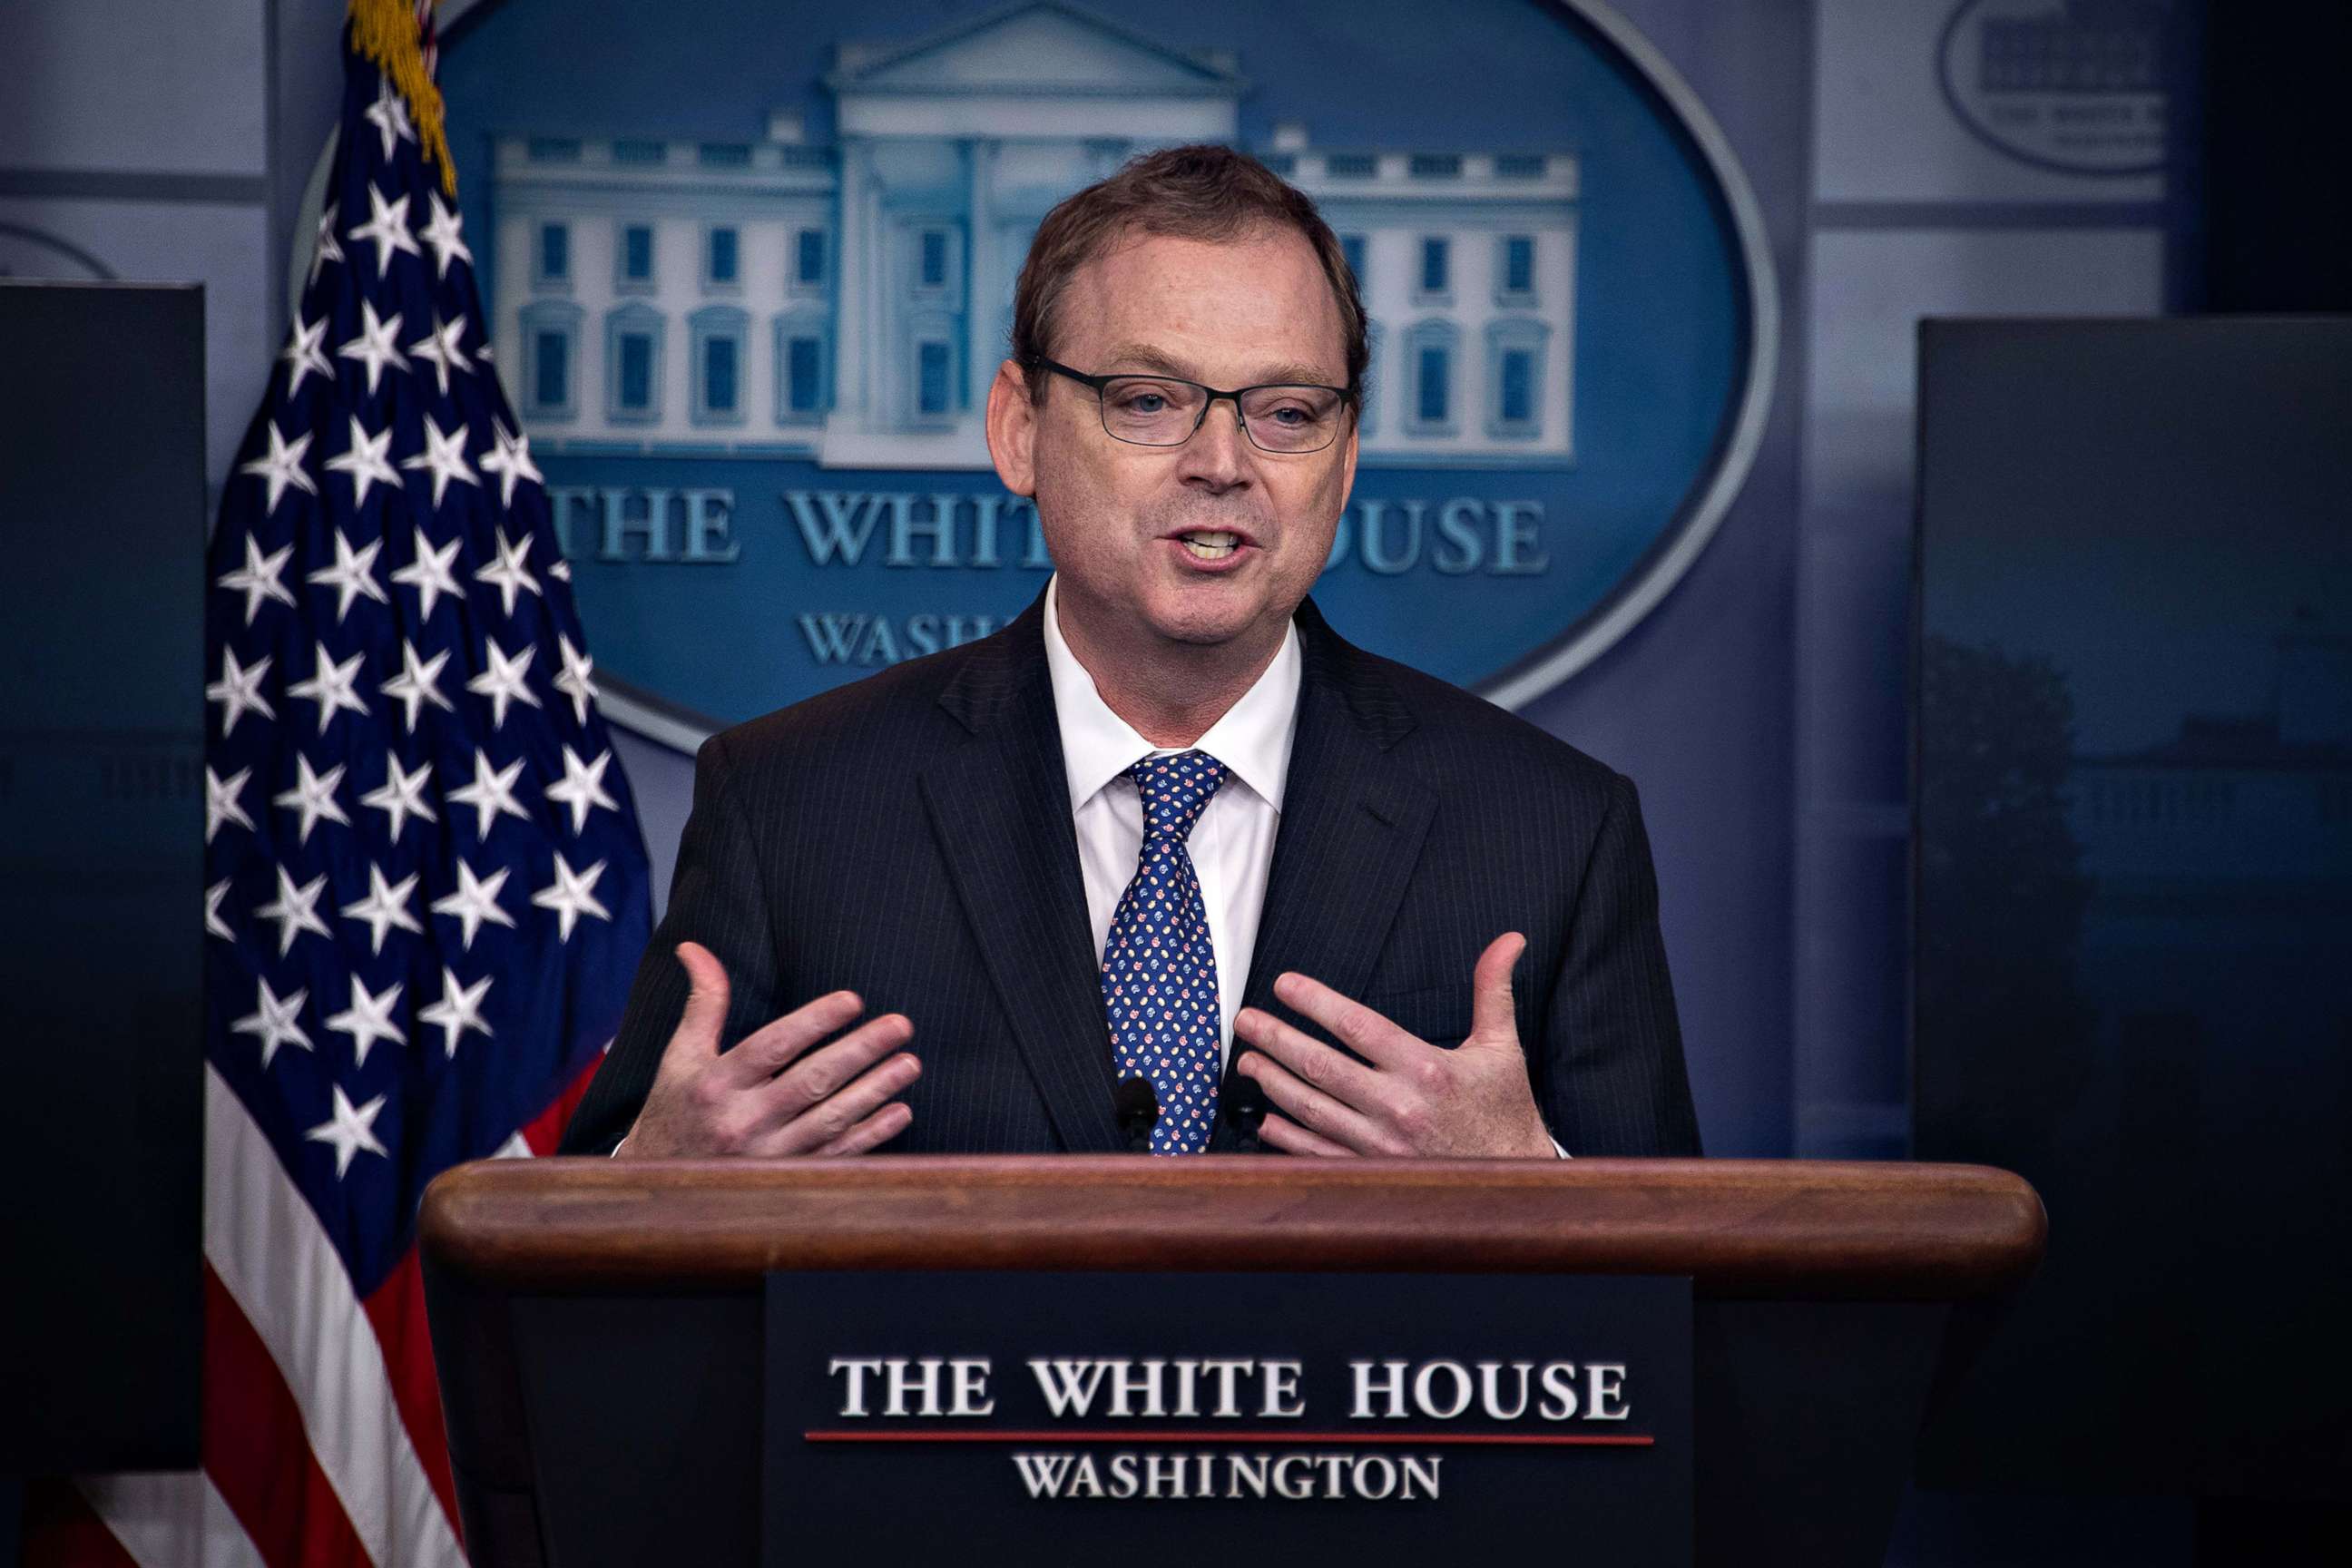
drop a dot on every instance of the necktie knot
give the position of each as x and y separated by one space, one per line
1175 789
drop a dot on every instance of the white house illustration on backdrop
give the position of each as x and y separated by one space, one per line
849 303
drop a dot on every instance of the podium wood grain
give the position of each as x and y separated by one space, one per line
1785 1229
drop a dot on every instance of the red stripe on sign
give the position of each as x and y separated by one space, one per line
546 1129
396 1312
1260 1438
62 1531
256 1451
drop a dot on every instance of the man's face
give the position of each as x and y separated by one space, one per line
1118 516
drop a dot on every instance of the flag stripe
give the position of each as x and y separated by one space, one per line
545 1131
273 1256
252 1430
63 1528
397 1312
168 1520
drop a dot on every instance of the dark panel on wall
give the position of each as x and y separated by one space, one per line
2277 211
102 844
2134 796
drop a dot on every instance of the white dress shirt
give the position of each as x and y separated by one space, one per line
1232 845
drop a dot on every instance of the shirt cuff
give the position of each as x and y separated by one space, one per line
1561 1151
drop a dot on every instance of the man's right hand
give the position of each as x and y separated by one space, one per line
772 1094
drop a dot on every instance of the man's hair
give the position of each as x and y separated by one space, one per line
1205 192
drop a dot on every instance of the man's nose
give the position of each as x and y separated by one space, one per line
1217 457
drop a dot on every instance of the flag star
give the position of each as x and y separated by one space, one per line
574 681
351 577
491 795
418 682
429 573
572 895
503 682
281 468
221 800
389 115
583 789
446 456
560 571
239 688
365 461
257 579
511 462
330 687
375 347
325 247
475 902
304 355
438 348
508 574
349 1129
387 230
214 924
402 796
458 1010
385 906
296 910
369 1019
442 231
275 1022
313 796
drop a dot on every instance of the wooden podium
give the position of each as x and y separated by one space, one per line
598 1324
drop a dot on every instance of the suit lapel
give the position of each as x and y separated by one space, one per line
1000 806
1352 825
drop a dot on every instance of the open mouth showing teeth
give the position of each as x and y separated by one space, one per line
1210 546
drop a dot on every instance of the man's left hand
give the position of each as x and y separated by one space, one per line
1412 1098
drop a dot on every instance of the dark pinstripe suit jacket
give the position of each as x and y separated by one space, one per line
909 838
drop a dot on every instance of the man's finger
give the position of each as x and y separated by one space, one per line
1292 1139
706 1003
822 1073
772 1047
833 1117
1491 1016
1309 1059
1355 1025
1316 1110
875 1130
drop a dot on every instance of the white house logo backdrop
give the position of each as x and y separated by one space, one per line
751 267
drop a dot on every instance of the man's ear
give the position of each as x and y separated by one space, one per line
1348 460
1012 430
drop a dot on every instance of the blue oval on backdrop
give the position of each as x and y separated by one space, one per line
749 281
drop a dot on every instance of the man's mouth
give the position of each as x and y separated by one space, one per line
1210 545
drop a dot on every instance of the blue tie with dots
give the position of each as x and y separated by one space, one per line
1159 969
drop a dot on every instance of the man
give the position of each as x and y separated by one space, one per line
1166 817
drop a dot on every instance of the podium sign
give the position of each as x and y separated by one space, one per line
1144 1418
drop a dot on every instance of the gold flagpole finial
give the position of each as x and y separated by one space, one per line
390 33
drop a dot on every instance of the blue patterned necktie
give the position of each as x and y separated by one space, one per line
1159 969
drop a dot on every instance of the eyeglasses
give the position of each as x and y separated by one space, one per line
1287 419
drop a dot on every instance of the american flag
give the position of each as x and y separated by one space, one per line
427 889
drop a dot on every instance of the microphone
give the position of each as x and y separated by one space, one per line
1137 1104
1242 1102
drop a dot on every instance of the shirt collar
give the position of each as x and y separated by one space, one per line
1251 737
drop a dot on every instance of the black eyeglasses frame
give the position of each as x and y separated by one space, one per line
1097 383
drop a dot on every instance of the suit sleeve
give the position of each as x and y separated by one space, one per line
1613 1079
716 899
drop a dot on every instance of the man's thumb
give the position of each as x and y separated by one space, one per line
706 1002
1490 989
